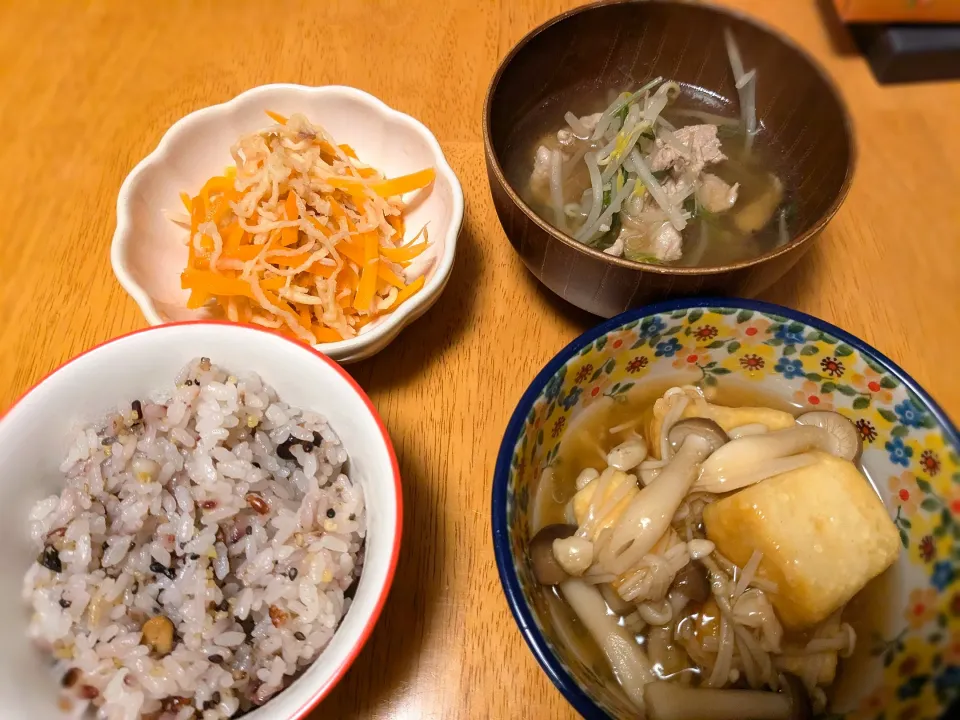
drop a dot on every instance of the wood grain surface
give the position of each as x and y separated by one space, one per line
88 87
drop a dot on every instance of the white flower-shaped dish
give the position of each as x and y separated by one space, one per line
139 365
149 250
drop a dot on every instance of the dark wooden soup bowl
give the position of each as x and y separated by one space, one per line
803 127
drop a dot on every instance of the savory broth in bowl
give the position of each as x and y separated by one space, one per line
733 209
681 545
649 175
580 61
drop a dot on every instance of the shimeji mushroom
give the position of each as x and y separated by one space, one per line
629 662
546 569
692 582
752 458
669 701
696 426
649 514
628 454
748 429
586 476
574 553
848 443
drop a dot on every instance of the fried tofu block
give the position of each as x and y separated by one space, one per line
581 501
823 532
731 417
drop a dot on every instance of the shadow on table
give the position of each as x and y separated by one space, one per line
580 319
428 338
393 651
389 660
789 289
786 291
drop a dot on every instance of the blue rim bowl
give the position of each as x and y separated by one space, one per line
910 444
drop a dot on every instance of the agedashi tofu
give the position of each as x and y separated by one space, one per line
823 532
581 501
731 417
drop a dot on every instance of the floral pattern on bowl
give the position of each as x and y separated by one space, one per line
911 451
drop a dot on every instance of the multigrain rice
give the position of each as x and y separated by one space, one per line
200 554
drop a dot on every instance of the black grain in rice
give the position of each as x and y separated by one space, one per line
71 677
283 449
154 587
160 569
50 559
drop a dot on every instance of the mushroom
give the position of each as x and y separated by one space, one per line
847 441
750 459
575 554
656 613
629 662
699 548
628 454
650 512
748 429
545 566
598 505
800 704
670 701
648 474
692 582
586 476
616 603
697 426
753 609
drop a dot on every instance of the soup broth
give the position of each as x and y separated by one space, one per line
759 219
588 440
587 445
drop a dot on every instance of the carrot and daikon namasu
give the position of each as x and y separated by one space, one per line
301 236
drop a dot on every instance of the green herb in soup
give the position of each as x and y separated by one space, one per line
652 181
693 549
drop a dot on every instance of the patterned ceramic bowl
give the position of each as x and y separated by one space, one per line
911 667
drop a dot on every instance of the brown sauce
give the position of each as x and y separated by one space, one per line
585 444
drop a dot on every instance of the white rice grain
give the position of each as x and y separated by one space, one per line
155 521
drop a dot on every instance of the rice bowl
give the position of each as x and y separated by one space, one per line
202 550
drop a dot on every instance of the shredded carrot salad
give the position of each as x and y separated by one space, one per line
301 236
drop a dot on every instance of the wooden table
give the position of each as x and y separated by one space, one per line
88 88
